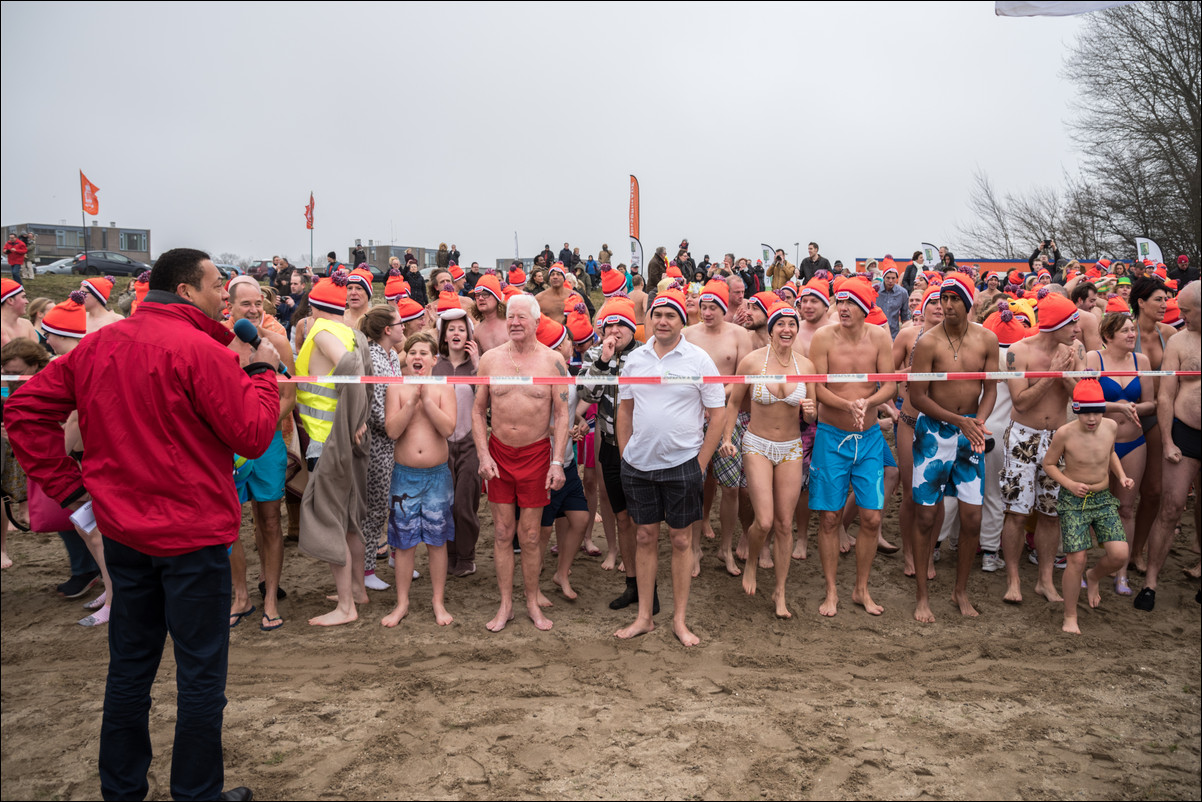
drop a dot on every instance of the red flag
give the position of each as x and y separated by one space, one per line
634 207
87 194
309 212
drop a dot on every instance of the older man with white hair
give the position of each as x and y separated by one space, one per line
518 461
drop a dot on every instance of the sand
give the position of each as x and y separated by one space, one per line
1004 706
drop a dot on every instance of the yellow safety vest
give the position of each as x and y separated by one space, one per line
316 401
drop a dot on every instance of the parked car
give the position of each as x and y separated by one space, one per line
106 263
62 266
259 269
229 271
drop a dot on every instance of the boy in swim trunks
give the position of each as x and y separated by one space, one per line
1087 445
420 418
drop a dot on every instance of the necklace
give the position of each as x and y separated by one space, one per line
955 348
779 361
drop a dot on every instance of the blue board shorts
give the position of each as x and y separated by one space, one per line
842 459
945 464
420 507
262 479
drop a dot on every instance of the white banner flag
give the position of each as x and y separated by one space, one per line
636 253
931 254
1147 249
1036 8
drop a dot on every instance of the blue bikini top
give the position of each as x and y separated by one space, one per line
1113 391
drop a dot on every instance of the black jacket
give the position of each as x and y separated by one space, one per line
809 267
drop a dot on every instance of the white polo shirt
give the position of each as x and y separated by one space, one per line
668 418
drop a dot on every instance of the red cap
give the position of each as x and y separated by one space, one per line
1172 314
490 284
329 294
67 319
612 282
1116 304
858 291
409 309
617 310
1088 397
550 333
396 287
100 287
10 289
1055 312
820 288
672 299
715 291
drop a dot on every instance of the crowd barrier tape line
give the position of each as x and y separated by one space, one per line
754 378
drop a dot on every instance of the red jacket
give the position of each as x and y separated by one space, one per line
163 407
15 251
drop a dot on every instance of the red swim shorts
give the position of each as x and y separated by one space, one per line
521 474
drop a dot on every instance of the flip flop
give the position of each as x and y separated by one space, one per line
239 616
263 625
1121 586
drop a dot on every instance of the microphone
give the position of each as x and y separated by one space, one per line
248 333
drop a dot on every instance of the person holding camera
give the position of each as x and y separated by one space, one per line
1041 253
782 271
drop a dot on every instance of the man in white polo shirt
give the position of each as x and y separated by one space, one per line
665 456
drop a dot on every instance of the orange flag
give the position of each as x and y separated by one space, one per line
309 212
87 193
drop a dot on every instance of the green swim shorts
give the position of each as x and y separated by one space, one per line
1098 510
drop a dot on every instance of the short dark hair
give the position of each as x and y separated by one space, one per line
332 255
1081 291
916 255
177 266
1142 289
815 244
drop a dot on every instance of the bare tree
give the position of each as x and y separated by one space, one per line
227 258
989 232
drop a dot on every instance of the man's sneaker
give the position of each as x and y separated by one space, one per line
1061 562
936 555
78 585
990 562
1146 600
1033 556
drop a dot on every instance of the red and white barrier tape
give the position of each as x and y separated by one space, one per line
753 378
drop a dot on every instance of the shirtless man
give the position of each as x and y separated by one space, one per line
420 418
1085 296
812 305
638 297
1040 408
849 446
358 296
726 344
755 318
516 458
737 292
950 434
551 300
261 480
1179 413
489 314
96 303
13 301
327 343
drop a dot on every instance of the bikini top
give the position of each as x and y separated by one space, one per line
762 395
1113 391
1138 349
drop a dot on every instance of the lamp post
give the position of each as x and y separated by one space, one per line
796 253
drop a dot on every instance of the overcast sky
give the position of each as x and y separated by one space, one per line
857 125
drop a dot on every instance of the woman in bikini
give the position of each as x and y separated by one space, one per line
903 356
772 451
1127 400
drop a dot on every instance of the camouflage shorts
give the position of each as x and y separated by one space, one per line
1077 515
1025 486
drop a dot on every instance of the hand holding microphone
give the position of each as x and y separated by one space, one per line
264 351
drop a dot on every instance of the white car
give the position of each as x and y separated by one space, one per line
60 267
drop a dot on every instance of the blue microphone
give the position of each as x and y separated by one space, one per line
248 333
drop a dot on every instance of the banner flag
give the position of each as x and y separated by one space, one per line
516 254
1048 8
87 194
634 211
309 212
930 253
769 254
636 252
1147 249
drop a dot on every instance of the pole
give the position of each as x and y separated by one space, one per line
83 219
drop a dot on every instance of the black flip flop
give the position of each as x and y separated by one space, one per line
239 616
280 593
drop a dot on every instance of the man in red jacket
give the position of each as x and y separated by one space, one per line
15 250
164 403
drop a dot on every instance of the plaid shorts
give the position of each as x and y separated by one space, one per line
671 495
729 470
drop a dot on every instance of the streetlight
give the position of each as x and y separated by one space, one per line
796 253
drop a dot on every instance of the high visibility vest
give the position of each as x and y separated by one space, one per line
316 401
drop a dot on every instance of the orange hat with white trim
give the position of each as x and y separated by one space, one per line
329 294
361 276
396 287
617 310
1115 303
100 288
612 282
141 287
1172 314
673 271
516 275
672 299
717 292
490 284
448 301
929 297
778 311
1055 312
1006 325
859 292
1088 397
10 289
456 272
877 317
67 319
764 300
819 288
550 333
508 291
558 268
408 308
579 326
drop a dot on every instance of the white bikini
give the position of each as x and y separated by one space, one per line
776 451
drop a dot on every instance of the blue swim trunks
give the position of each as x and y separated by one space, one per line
262 479
945 464
420 507
847 458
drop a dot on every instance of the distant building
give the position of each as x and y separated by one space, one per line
60 241
505 264
378 254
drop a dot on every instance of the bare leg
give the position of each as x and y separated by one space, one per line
569 538
1149 498
846 541
905 514
1013 529
1073 570
269 539
1116 555
728 517
707 504
682 565
801 517
95 544
1133 466
786 486
504 528
870 530
1047 541
5 560
240 603
627 539
345 612
438 582
609 524
404 578
970 538
532 565
589 481
1175 490
922 536
697 528
828 553
646 555
892 479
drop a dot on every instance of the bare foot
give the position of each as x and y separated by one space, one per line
5 560
865 601
908 568
564 586
1195 572
930 572
846 541
1092 592
1070 626
1140 563
639 627
441 616
696 563
766 557
885 545
782 611
966 608
535 611
799 550
334 597
394 618
608 563
543 601
749 580
732 567
622 567
923 614
504 616
1048 593
830 606
741 549
683 635
708 531
1014 595
334 618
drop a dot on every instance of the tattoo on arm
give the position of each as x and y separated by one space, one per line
563 397
1010 360
562 370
